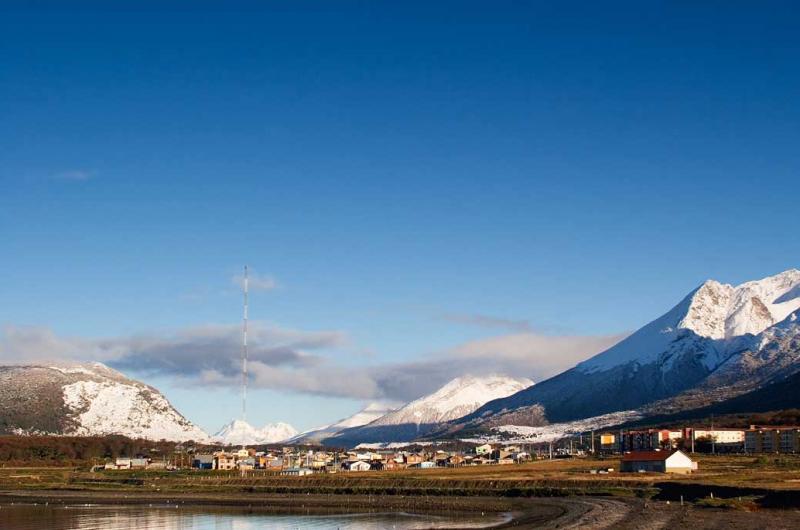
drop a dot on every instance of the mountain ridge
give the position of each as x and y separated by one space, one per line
239 432
718 335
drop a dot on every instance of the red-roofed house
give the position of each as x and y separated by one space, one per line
657 462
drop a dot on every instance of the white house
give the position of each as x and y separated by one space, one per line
657 462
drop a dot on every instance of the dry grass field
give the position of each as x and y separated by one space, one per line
540 478
728 492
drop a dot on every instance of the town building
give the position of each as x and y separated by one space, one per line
649 439
719 439
203 461
456 461
358 465
485 449
657 462
608 442
224 461
772 439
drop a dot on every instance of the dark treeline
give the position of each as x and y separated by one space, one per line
66 450
701 417
776 417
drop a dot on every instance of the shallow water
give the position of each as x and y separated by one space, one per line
169 517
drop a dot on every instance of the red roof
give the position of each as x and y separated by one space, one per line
646 455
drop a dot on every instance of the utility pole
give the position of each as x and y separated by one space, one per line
713 437
592 441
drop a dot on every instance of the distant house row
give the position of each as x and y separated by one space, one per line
755 439
293 461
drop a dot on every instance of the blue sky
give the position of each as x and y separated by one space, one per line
418 180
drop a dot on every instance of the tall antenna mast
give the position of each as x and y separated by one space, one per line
244 350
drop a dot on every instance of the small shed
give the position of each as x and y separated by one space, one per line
657 462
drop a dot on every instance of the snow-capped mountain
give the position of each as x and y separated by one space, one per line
715 311
239 432
457 398
87 400
368 414
718 336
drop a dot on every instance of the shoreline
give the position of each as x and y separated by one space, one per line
570 512
522 513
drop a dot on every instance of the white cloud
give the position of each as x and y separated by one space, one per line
189 352
300 361
542 356
531 355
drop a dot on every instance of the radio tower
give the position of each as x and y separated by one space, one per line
244 350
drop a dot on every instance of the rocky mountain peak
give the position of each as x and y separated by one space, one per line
722 311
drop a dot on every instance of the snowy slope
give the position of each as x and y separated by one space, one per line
713 311
719 336
455 399
555 431
240 432
87 400
368 414
109 407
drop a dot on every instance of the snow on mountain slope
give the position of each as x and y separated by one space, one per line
760 304
713 311
755 362
772 354
555 431
368 414
109 407
87 400
364 416
457 398
240 432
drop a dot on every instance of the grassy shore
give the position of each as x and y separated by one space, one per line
559 493
772 478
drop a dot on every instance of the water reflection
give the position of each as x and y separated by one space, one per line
100 517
